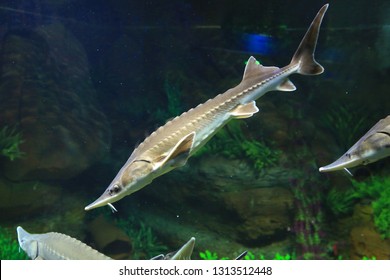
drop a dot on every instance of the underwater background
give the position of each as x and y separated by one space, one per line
83 82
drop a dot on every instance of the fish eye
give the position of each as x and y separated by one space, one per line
348 155
114 189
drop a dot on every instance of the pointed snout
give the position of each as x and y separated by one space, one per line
103 200
91 206
329 168
21 232
340 164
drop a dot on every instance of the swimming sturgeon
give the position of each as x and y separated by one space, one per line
56 246
184 253
173 143
373 146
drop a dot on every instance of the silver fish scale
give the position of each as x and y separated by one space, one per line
58 246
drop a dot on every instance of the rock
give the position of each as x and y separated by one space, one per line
237 174
264 213
110 239
46 90
365 239
367 242
26 199
174 231
245 208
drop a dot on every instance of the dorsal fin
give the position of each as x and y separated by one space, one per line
254 68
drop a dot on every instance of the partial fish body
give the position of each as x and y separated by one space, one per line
56 246
184 253
373 146
172 144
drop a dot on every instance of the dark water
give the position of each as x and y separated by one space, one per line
83 82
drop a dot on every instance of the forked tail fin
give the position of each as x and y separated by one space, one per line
304 55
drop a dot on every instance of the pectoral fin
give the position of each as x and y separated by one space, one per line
245 110
179 154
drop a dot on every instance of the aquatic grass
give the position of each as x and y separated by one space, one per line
364 258
309 217
341 202
174 106
10 140
346 123
145 242
231 142
9 247
378 190
277 256
208 255
260 154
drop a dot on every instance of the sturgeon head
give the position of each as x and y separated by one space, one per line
27 243
56 246
141 170
373 146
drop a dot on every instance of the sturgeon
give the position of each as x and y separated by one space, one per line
184 253
172 144
56 246
373 146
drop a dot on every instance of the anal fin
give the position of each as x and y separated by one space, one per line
245 110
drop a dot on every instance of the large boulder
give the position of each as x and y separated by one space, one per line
265 213
228 197
26 199
47 93
365 239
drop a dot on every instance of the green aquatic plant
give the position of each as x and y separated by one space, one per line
378 190
340 202
260 154
277 256
284 257
364 258
309 216
231 142
224 142
9 247
10 140
250 256
207 255
145 243
174 106
345 123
